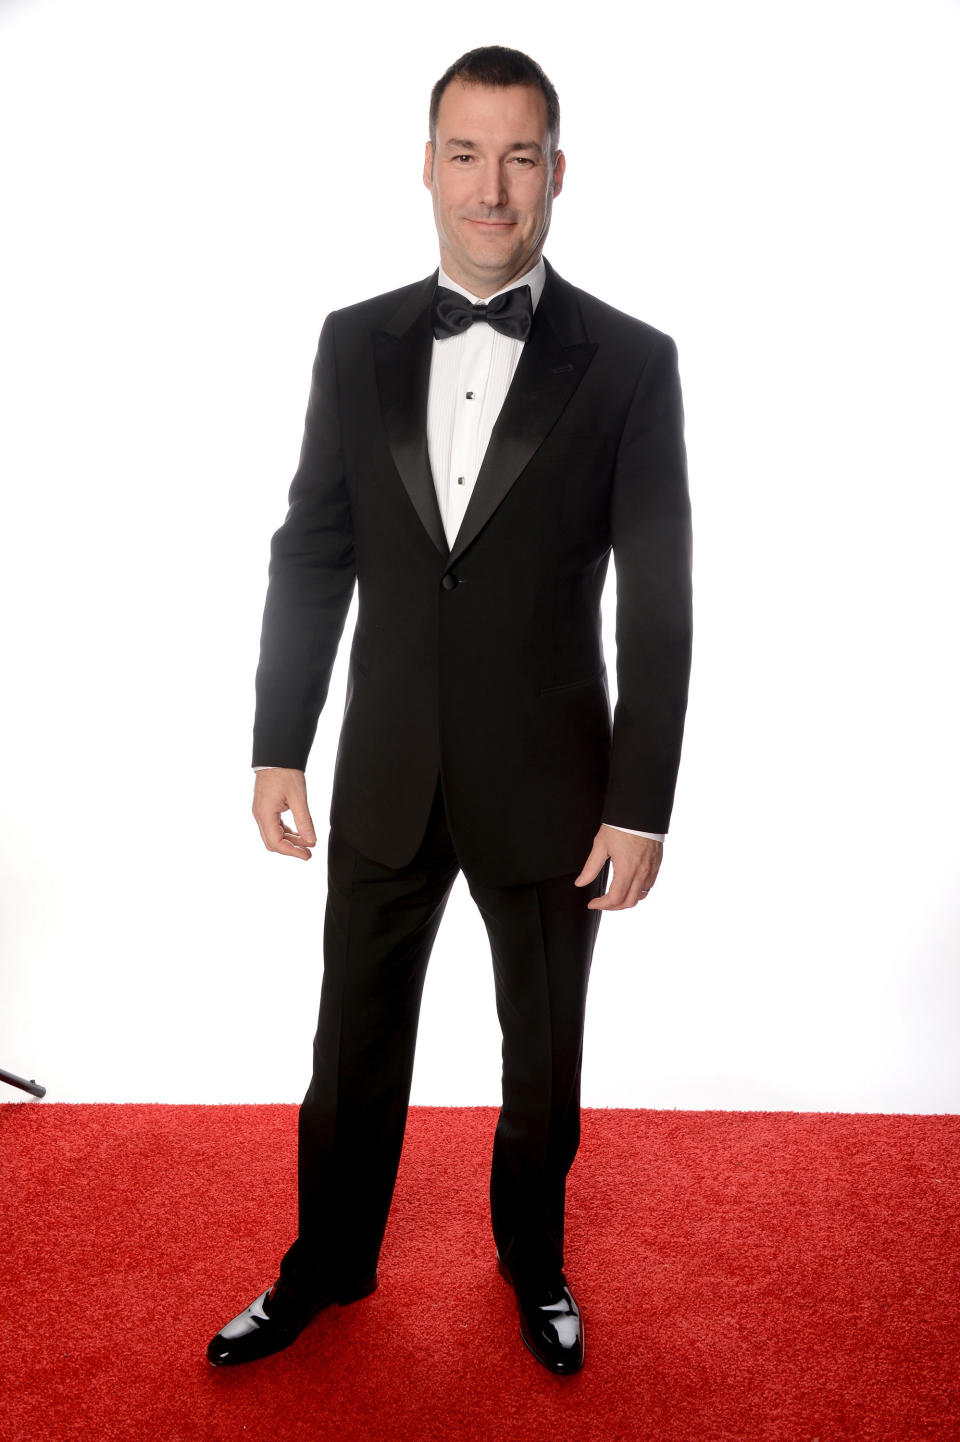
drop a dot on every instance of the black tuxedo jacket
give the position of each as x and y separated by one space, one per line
484 661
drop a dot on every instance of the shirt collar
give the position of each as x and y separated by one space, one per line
535 278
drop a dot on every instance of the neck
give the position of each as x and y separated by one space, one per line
483 286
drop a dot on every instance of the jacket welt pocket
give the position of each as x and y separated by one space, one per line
590 680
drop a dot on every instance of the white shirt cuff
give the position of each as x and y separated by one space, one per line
653 835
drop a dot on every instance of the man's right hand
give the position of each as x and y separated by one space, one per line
276 790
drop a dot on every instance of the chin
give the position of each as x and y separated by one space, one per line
497 251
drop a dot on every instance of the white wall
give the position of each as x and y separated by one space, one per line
187 189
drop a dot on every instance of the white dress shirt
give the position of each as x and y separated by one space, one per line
470 375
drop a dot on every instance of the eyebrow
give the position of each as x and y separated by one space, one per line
517 145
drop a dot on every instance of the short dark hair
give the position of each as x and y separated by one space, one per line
498 65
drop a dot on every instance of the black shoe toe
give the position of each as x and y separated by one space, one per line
550 1322
261 1329
276 1319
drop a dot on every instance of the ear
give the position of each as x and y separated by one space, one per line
559 166
428 166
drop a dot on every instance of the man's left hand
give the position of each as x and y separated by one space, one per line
636 861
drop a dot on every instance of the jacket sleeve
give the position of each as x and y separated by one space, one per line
311 579
652 551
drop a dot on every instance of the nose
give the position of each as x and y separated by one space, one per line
493 189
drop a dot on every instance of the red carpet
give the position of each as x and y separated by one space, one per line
742 1275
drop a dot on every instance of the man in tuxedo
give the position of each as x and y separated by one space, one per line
476 446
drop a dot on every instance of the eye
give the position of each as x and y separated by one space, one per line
463 157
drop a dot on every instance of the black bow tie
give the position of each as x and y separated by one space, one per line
510 313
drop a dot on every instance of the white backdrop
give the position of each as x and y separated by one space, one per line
187 189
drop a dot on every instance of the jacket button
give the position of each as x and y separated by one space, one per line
449 581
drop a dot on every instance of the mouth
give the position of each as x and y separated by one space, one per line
492 224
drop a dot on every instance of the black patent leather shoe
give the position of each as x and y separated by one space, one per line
276 1319
550 1323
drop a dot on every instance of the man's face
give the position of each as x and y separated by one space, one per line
493 182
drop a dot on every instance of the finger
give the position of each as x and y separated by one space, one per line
610 901
623 891
306 836
276 836
291 844
287 848
303 822
623 895
613 898
635 895
592 866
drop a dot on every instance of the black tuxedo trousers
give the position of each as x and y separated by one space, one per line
379 931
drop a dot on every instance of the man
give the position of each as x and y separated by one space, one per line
475 445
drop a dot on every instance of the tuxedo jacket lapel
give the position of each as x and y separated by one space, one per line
402 353
553 362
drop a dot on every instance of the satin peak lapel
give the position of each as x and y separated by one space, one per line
552 365
402 354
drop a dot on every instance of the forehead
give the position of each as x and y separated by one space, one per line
491 112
